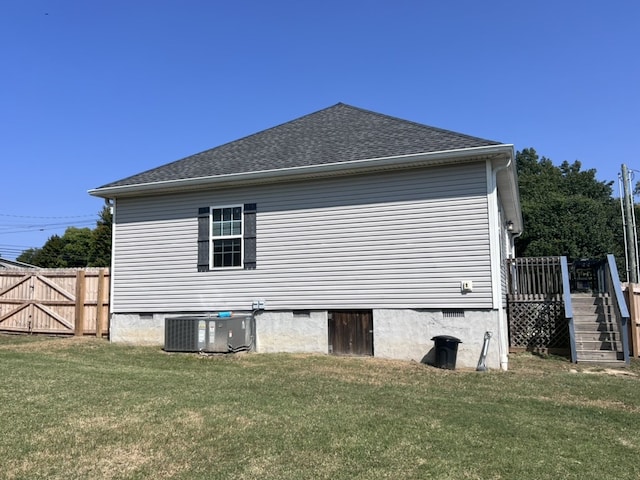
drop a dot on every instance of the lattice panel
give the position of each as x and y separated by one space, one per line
538 325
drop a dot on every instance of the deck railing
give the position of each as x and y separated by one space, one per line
614 289
535 276
568 308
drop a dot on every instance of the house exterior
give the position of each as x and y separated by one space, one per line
344 231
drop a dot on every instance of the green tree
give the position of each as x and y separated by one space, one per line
50 255
566 210
77 244
28 255
100 252
78 247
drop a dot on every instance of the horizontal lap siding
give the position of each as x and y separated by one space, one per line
395 240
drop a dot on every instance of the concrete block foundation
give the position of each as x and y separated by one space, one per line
402 334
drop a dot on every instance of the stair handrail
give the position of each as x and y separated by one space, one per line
614 289
568 308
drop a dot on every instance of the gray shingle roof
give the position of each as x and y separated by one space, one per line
340 133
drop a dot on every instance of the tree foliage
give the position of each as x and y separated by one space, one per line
77 247
100 251
566 210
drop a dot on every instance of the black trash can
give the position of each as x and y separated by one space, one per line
446 351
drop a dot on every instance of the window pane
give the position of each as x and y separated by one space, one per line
216 227
227 253
226 222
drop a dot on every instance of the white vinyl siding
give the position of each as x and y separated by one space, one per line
395 240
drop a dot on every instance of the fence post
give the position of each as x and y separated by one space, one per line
80 299
100 305
633 314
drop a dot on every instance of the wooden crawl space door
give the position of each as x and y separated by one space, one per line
351 332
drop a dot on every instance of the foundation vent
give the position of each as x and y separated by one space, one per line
452 313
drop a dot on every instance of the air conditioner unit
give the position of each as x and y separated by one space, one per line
209 334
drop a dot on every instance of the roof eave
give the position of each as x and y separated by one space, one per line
312 171
507 183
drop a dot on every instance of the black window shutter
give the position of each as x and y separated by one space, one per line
249 237
203 239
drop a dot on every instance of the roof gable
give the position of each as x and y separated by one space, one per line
337 134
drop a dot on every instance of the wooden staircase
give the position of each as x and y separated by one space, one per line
598 338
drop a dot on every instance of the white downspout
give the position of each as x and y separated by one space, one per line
112 204
494 238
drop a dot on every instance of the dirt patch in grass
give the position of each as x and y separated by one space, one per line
600 404
616 372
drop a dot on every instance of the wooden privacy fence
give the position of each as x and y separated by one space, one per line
632 294
55 301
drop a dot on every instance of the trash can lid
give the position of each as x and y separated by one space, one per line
447 338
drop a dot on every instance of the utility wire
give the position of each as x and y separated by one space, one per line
46 217
43 227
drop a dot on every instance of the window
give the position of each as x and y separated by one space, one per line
227 237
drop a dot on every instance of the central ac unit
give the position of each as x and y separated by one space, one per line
209 334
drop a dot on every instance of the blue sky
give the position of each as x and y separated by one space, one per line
94 91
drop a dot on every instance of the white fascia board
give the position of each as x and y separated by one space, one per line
330 169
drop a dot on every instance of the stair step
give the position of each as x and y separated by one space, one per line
578 312
594 321
599 355
604 364
589 305
591 298
596 345
593 326
597 337
601 315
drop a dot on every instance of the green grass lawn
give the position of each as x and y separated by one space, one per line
83 408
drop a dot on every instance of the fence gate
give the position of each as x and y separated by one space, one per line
55 301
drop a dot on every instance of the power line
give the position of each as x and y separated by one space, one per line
43 227
12 251
47 217
36 224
